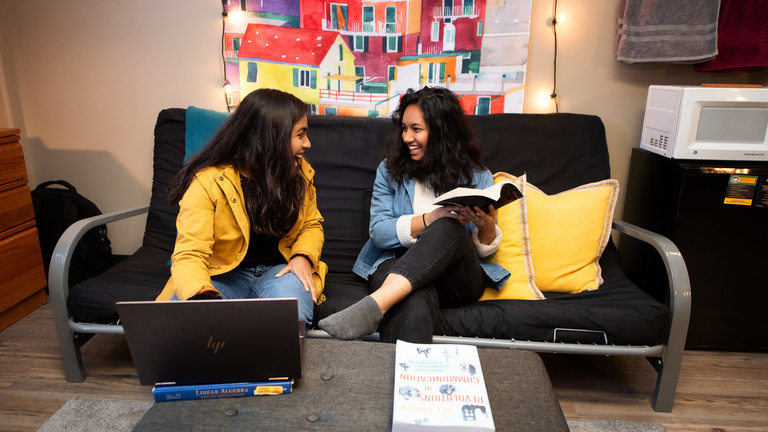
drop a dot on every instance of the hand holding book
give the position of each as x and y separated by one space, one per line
498 195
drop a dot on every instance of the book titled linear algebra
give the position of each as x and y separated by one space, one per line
166 393
439 387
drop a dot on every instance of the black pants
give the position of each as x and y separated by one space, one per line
444 272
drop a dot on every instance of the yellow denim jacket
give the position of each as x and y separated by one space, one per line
214 231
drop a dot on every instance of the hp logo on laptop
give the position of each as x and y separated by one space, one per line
214 345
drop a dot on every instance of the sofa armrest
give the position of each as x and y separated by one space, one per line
58 285
668 366
58 271
677 272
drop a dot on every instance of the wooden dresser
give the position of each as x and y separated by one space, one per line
22 276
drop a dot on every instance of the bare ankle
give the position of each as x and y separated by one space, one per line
395 288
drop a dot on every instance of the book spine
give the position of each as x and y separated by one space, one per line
166 393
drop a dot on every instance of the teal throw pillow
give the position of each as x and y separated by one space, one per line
201 126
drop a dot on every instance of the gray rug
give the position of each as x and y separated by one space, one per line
86 415
613 426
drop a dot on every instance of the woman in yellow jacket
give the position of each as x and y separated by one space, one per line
248 224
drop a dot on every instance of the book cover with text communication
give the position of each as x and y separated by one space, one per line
439 387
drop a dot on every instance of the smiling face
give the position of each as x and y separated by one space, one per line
299 139
415 132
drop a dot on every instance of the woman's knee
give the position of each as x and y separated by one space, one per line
290 286
447 233
445 227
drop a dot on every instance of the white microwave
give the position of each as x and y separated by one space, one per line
715 123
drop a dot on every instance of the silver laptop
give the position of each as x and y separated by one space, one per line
214 341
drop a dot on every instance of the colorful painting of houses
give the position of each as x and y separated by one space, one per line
356 57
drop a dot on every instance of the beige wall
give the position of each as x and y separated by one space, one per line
85 80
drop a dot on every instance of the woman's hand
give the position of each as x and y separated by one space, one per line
419 224
302 268
485 223
454 212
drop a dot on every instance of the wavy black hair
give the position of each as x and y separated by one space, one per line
256 141
452 149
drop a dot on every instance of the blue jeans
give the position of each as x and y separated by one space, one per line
260 282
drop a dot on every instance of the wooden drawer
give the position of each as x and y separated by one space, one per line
16 209
21 268
22 276
12 165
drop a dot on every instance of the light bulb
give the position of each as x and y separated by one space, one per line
545 99
235 17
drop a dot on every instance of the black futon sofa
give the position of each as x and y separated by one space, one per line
556 151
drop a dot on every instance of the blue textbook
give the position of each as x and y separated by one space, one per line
166 393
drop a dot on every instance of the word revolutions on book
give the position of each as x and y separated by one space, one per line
439 387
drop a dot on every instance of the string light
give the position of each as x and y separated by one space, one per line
545 100
556 19
227 87
235 16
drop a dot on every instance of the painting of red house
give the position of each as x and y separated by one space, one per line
297 61
374 50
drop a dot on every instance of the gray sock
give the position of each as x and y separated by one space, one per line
360 319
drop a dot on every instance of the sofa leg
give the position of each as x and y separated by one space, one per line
73 361
668 373
70 348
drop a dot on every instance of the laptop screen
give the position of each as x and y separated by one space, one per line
213 341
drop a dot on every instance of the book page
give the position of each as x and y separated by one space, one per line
500 194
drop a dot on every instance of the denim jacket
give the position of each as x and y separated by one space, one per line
390 201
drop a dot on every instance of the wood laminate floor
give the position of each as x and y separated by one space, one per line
717 391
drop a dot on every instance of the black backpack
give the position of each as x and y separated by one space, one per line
55 210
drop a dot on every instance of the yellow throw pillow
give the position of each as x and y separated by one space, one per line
514 252
568 233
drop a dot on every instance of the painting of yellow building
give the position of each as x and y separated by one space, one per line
298 61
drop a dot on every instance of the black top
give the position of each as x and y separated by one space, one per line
262 250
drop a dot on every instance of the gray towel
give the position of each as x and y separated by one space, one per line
667 30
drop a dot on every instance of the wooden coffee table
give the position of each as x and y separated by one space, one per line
348 386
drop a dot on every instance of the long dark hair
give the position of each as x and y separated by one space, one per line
256 141
452 149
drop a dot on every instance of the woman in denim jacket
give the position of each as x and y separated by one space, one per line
421 257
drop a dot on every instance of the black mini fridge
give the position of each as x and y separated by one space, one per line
716 212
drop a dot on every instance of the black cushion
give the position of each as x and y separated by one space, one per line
345 153
557 151
160 231
617 313
141 276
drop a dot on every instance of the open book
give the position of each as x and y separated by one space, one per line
500 194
